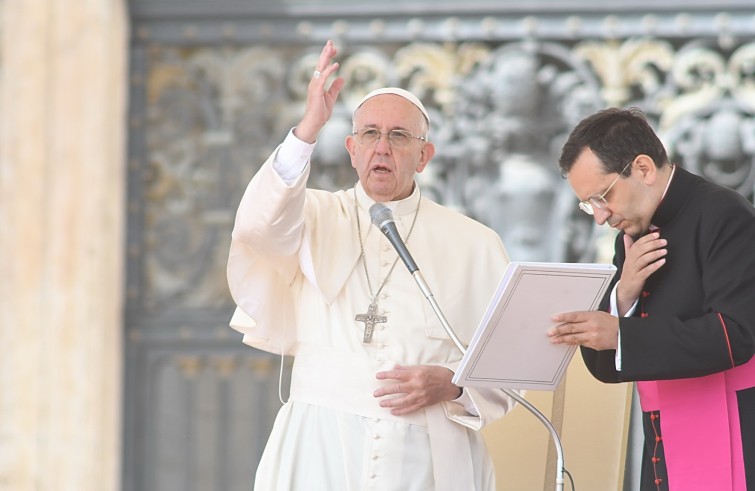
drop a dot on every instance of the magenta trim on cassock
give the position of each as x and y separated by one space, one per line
700 428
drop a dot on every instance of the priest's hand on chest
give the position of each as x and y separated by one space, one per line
596 330
411 388
642 258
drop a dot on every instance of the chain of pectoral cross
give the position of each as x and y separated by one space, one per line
371 318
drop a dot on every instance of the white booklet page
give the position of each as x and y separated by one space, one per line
510 348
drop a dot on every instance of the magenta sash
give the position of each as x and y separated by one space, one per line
700 428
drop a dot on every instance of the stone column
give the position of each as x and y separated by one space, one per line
63 84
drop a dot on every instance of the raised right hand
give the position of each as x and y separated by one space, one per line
320 101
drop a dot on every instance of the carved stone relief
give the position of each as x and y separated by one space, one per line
500 113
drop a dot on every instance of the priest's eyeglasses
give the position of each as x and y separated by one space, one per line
396 138
590 204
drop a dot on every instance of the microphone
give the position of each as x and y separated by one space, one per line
382 218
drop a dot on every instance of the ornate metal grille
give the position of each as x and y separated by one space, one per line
216 86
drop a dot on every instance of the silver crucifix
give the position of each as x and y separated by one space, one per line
370 319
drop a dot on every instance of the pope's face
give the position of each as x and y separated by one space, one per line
386 171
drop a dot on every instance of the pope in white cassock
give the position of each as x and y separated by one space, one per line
372 405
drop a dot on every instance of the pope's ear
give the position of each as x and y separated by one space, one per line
426 154
350 144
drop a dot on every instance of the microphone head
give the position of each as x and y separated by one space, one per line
380 215
382 218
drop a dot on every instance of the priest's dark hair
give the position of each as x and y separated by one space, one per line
616 136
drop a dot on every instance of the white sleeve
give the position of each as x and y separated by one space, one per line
615 312
292 158
466 401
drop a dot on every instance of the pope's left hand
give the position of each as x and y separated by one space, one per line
418 386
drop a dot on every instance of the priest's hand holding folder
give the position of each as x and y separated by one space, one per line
596 330
599 330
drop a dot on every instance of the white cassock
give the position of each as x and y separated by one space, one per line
296 275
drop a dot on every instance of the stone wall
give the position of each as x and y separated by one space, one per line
62 182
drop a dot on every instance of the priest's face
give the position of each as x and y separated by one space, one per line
630 201
386 167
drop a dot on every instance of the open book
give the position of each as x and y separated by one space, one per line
510 348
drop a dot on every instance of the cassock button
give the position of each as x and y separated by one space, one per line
645 294
643 315
658 481
373 476
652 416
657 439
376 437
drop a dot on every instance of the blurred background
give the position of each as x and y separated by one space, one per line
129 129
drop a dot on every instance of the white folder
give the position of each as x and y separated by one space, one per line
510 348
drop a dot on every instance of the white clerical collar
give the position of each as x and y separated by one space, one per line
673 169
401 207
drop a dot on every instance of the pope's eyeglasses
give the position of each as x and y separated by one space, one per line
396 138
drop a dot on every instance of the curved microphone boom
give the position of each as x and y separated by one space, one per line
382 218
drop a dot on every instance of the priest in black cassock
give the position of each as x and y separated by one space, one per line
682 306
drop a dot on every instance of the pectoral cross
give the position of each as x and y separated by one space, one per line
370 319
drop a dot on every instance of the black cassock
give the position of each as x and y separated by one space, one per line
696 315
